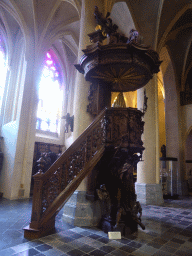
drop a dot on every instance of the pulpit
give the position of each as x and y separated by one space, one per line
116 63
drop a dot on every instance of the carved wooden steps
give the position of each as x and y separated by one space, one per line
112 127
53 188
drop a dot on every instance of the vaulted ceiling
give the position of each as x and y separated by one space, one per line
161 24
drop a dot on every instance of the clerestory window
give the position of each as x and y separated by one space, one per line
50 94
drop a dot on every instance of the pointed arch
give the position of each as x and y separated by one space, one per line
170 26
17 15
50 90
76 4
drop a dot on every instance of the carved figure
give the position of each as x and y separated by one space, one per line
104 196
125 213
69 122
46 160
105 23
93 98
107 27
129 207
163 151
134 35
137 210
145 102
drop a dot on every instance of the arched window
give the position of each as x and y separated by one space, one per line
3 70
50 93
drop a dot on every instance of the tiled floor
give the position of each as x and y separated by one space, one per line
168 232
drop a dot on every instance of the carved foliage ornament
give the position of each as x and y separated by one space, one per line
55 183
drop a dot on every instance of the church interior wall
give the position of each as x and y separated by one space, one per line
162 131
19 107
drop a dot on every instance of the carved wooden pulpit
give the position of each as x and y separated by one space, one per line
116 63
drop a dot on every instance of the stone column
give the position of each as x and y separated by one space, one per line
19 137
87 25
173 125
79 211
30 103
148 189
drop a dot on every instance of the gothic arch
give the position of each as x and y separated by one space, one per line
13 10
163 39
57 20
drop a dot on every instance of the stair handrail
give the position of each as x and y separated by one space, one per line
67 192
76 142
43 210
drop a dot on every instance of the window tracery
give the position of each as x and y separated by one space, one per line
50 93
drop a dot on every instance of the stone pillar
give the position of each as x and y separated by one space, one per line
148 189
78 210
173 125
87 25
29 121
19 137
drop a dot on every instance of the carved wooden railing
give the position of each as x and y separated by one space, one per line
53 188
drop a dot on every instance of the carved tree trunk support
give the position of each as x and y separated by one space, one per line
121 188
116 173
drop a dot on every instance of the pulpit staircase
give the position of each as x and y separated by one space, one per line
53 188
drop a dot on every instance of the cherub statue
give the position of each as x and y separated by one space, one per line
134 35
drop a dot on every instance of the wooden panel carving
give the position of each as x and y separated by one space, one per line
69 165
124 126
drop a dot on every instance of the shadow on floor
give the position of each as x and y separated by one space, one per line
14 216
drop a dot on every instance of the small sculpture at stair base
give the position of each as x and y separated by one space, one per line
104 196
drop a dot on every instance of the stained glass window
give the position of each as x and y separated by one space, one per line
50 95
3 70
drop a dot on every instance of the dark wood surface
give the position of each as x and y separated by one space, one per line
112 127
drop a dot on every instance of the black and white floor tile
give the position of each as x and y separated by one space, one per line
168 232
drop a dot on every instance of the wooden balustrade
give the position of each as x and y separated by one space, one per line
54 187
